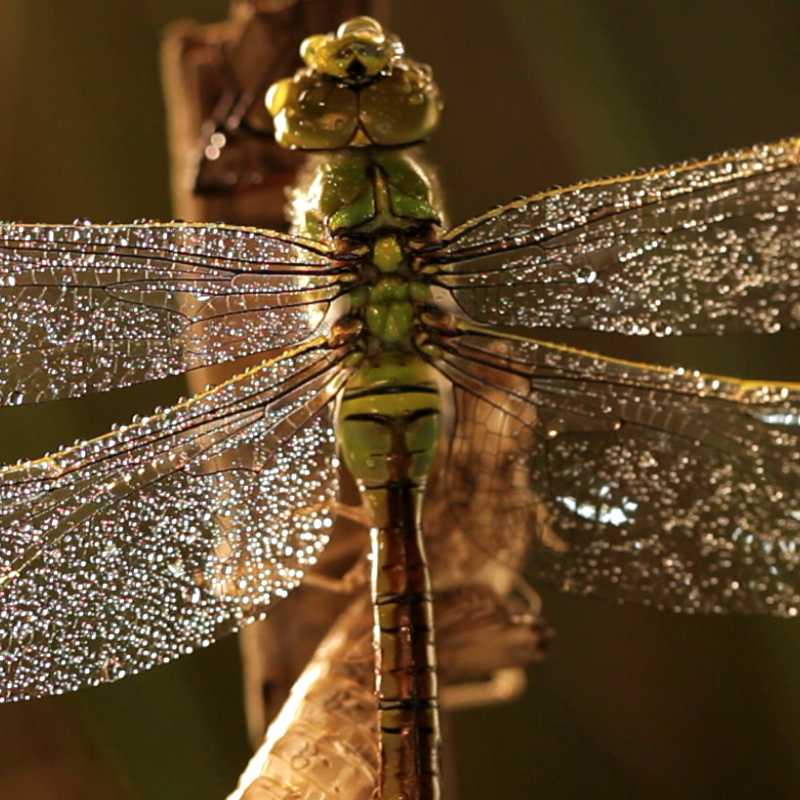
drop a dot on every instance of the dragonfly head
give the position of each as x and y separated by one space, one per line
358 89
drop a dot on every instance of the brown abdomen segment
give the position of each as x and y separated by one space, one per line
405 659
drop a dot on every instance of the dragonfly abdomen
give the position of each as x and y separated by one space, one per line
387 420
388 423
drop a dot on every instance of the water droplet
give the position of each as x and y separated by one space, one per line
585 275
192 595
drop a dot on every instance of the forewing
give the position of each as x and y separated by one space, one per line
661 486
704 247
86 308
126 551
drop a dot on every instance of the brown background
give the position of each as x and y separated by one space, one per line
631 703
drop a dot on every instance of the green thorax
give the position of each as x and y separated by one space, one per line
362 192
379 202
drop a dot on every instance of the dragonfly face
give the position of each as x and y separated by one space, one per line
356 53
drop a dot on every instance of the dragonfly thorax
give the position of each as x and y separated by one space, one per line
358 193
376 207
388 306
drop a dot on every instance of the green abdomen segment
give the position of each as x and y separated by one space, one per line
388 425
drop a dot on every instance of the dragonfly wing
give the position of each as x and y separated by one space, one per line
124 552
87 308
657 485
705 247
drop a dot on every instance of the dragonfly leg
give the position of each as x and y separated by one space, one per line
501 686
357 514
357 577
471 616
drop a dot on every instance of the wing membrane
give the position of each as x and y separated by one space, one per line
87 308
129 550
704 247
657 485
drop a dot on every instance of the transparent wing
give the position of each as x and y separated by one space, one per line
87 308
705 247
124 552
640 483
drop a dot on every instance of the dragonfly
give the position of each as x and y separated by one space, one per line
388 347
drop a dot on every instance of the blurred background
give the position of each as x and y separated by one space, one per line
630 703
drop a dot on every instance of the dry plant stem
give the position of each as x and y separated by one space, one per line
323 745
